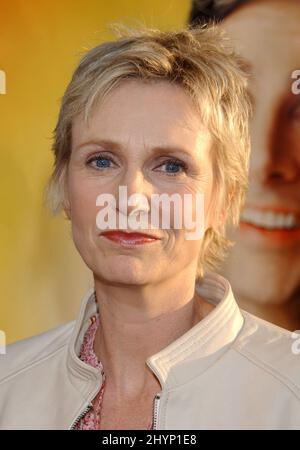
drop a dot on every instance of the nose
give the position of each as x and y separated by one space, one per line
138 189
272 161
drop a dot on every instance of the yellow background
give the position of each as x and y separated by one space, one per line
42 277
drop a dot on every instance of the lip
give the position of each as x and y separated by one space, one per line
277 237
129 239
278 234
273 208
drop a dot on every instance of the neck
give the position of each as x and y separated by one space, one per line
139 321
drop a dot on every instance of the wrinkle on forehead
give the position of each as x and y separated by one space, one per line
137 115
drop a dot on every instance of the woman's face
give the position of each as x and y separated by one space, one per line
148 138
264 265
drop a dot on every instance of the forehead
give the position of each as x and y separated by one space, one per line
137 111
267 32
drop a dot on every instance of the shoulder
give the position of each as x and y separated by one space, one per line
26 353
271 349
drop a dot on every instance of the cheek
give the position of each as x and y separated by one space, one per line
199 208
82 197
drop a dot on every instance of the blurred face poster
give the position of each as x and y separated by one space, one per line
264 264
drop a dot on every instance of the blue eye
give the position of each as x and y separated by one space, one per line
173 165
100 162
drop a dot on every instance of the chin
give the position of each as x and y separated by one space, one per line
118 278
269 295
262 281
123 272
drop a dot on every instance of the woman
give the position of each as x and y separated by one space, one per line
159 342
267 35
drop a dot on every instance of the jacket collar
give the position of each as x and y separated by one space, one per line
188 355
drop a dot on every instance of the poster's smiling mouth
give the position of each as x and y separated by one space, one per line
270 220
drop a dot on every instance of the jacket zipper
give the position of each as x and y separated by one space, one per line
155 410
154 416
86 409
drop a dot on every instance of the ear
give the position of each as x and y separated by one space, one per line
67 212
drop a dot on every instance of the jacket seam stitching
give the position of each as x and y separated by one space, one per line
287 382
230 346
207 336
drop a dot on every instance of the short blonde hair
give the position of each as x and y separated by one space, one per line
202 62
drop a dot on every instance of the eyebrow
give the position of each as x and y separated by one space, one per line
106 143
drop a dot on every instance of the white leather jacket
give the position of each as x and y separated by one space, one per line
230 371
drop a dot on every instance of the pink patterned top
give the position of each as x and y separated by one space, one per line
91 420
